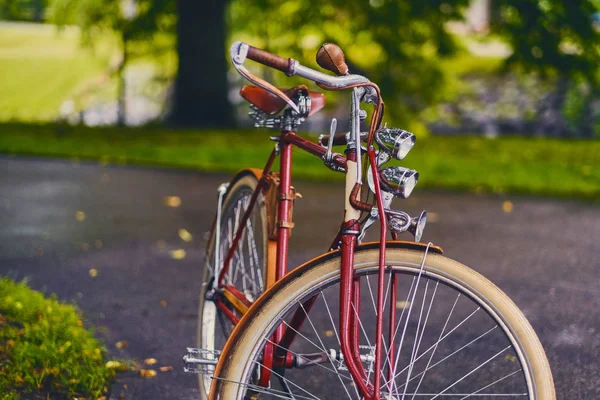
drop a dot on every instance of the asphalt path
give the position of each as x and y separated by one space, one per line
61 219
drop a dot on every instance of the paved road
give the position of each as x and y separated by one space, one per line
544 254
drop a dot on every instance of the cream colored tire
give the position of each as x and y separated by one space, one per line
235 364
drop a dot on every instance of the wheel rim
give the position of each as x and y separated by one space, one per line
246 271
492 371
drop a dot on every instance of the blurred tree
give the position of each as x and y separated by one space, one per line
557 40
398 43
201 91
23 10
132 20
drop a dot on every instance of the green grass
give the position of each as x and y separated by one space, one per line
45 352
41 67
545 167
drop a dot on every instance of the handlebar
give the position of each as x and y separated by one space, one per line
240 51
263 57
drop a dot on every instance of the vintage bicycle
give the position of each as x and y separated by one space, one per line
391 319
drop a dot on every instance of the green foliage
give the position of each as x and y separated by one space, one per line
22 10
397 44
44 348
550 36
135 20
547 167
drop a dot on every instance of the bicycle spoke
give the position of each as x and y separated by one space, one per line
285 379
493 383
472 371
260 389
322 344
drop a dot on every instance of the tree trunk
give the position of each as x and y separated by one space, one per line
200 98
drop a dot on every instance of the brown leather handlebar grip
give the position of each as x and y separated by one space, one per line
339 139
270 60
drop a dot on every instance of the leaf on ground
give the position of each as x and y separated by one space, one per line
163 303
507 206
93 272
402 304
150 361
116 365
329 333
178 254
185 235
147 373
166 368
510 357
172 201
121 344
98 243
79 215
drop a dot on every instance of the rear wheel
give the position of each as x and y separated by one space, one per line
247 271
456 335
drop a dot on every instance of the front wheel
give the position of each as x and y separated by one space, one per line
455 335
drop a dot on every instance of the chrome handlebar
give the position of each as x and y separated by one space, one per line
239 54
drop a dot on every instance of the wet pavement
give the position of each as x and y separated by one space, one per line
60 219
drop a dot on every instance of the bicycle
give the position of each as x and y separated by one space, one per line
390 319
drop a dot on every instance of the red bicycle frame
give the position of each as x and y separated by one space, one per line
275 354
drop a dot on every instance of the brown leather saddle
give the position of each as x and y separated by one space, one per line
270 104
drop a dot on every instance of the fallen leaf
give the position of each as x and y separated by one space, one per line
185 235
101 398
98 243
116 365
172 201
85 246
402 304
507 206
93 272
163 303
79 216
166 368
150 361
178 254
121 344
45 236
148 373
510 357
329 333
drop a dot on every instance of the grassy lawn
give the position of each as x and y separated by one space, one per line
546 167
41 67
45 352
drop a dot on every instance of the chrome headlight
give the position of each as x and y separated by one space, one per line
399 181
395 142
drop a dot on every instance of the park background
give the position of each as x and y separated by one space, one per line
503 95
